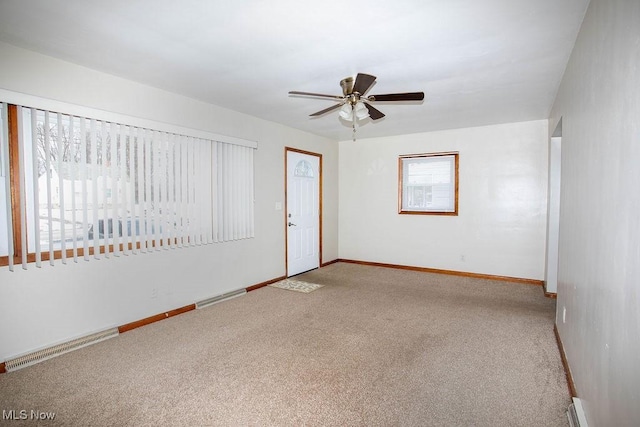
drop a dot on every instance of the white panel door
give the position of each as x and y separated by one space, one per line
303 212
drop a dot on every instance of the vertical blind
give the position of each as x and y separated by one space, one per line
99 189
6 245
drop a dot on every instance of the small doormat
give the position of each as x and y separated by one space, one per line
296 285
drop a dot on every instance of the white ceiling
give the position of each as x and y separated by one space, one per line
479 62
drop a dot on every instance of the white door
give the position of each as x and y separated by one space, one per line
303 212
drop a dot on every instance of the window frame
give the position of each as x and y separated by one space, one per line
454 192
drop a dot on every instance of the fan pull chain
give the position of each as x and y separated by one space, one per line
354 129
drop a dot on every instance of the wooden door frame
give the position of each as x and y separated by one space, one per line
286 207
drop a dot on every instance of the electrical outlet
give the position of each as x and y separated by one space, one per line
154 293
462 258
564 314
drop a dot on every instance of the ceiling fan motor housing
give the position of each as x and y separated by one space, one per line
347 85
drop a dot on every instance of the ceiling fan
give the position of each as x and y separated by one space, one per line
354 104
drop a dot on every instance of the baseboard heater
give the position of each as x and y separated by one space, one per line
575 413
219 298
56 350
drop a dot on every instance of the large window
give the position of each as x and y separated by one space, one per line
81 187
428 184
5 183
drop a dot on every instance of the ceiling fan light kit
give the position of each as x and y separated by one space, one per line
361 110
353 103
351 112
346 112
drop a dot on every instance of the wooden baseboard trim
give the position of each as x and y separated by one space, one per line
263 284
565 364
330 262
162 316
152 319
552 295
449 272
142 322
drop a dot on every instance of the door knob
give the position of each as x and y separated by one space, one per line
291 224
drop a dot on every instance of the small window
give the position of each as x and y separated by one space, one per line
428 184
303 169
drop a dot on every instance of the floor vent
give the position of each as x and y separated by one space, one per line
56 350
575 413
214 300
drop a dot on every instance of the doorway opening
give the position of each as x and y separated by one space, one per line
553 212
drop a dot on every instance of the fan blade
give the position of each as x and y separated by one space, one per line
363 83
374 113
326 110
410 96
319 95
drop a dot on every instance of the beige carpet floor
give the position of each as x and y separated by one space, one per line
373 347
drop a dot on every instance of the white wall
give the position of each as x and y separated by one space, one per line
501 225
599 265
40 307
